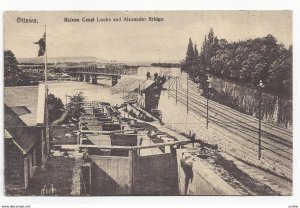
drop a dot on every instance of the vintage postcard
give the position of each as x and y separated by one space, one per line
148 103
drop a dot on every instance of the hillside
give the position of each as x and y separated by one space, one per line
63 59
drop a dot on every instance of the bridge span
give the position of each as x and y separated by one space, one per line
92 72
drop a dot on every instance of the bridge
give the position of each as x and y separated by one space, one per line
92 72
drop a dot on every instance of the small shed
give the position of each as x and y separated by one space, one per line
26 142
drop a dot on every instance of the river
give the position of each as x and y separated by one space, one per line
102 92
91 92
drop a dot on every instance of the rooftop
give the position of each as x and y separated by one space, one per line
126 84
23 101
130 84
19 133
146 84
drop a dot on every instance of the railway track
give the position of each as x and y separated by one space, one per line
224 117
276 142
277 131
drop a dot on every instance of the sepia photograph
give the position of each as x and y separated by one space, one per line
148 103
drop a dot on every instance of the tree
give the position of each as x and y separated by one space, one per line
187 64
55 107
57 70
13 76
247 61
196 53
191 62
74 106
190 52
209 48
280 74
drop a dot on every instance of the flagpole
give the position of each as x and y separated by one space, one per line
46 97
46 85
45 57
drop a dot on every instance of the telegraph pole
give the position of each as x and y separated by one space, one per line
176 89
66 99
259 126
187 93
124 100
208 94
207 111
261 85
169 88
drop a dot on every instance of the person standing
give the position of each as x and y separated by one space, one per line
148 75
193 139
85 155
44 191
155 76
52 190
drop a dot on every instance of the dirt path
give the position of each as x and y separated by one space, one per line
60 120
57 171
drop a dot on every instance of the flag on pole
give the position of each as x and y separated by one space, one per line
42 44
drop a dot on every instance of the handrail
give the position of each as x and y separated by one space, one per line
67 146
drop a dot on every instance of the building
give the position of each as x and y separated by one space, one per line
26 139
146 93
149 94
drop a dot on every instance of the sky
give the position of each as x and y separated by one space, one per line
163 41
